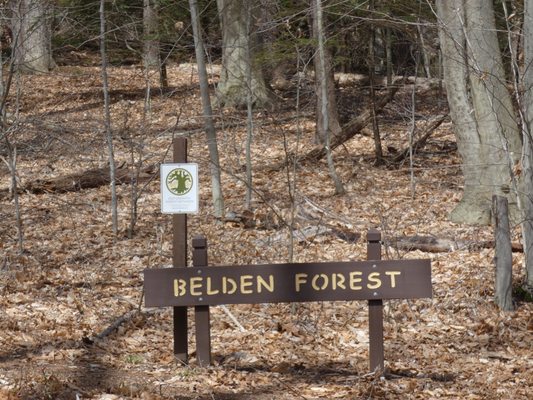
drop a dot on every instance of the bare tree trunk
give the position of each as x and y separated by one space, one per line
216 183
107 120
249 115
232 88
480 106
378 150
11 161
327 123
31 24
388 55
412 131
151 52
527 149
327 118
11 164
422 45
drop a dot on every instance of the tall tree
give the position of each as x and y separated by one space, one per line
240 44
107 120
527 153
31 25
327 115
151 53
327 118
480 106
214 165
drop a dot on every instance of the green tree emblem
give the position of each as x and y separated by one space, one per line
179 181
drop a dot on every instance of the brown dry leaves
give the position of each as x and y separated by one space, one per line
74 279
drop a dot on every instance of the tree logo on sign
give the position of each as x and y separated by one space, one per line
179 181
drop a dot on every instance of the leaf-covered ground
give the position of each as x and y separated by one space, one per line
74 279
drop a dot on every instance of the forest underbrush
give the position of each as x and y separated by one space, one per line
73 279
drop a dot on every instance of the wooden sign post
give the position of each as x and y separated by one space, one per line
179 260
375 310
374 280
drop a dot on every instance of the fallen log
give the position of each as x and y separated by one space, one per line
430 244
352 128
88 179
421 142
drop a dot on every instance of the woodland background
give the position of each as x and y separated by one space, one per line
81 142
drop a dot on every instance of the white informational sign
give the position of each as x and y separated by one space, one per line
179 188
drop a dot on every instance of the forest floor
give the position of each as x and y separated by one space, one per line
74 279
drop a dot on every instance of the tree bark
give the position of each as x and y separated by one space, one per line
214 165
327 119
237 43
480 106
151 51
378 150
31 24
527 150
108 133
503 285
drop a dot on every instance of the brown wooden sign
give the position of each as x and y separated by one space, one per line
274 283
202 285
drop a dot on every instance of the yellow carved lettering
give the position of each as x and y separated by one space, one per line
262 283
246 282
195 283
315 279
338 281
392 275
179 287
210 291
299 280
354 280
226 282
373 277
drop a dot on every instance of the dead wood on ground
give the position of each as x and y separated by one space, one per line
352 128
421 142
430 244
88 179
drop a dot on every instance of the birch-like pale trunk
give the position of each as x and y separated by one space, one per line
214 164
107 120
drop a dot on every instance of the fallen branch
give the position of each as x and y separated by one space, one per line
352 128
421 142
116 324
430 244
82 180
